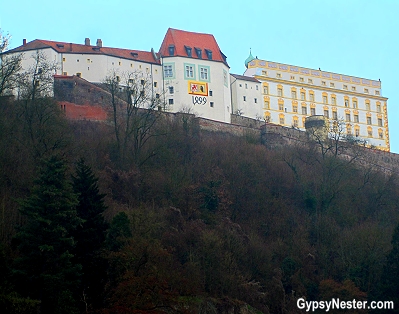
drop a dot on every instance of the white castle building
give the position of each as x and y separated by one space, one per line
193 75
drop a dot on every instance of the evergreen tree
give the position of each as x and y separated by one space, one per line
119 232
45 267
389 290
90 235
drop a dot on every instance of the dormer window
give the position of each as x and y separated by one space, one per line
60 45
171 50
208 54
188 51
198 51
134 54
223 56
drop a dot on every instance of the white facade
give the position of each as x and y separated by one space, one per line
213 102
246 96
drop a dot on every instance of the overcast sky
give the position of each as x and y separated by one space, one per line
352 37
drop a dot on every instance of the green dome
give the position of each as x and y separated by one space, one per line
249 59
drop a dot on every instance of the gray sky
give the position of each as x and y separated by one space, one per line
352 37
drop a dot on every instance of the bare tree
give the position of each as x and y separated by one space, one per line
10 65
134 107
38 79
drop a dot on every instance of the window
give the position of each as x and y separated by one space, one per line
332 85
326 113
380 134
369 120
292 77
255 100
225 80
189 71
294 108
264 72
142 81
348 117
304 110
63 59
279 92
170 101
312 111
211 104
208 54
281 107
171 49
210 93
368 106
265 90
246 86
311 97
293 94
370 133
355 104
120 63
356 118
335 115
157 96
349 129
333 100
79 74
354 88
198 51
155 84
278 75
301 79
168 70
379 122
310 81
171 90
377 92
267 105
295 122
345 87
323 83
378 107
303 96
204 73
357 132
257 87
324 99
346 102
366 90
188 51
282 120
244 98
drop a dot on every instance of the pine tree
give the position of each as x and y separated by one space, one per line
389 290
45 267
90 235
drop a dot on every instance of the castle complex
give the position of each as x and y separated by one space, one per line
191 74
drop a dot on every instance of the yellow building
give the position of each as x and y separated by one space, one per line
292 93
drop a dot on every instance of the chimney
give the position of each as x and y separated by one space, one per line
87 41
70 46
99 43
24 42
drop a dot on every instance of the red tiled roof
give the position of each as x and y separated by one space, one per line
179 39
144 56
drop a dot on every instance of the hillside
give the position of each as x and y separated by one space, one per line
183 221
